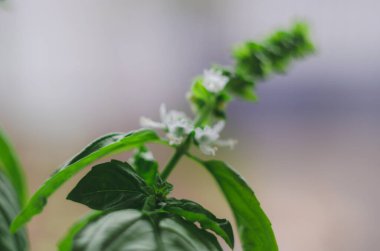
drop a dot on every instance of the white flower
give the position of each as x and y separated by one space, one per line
176 125
208 138
214 81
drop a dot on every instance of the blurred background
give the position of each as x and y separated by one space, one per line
71 71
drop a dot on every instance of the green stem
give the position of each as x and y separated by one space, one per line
180 151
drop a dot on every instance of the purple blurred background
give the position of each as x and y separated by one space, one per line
71 71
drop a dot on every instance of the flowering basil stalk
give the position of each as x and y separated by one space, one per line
131 200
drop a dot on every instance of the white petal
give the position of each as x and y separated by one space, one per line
198 133
180 128
148 123
226 143
208 150
206 135
214 81
218 127
201 136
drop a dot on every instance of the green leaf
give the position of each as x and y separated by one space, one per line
10 164
111 186
66 243
131 230
9 207
254 227
145 165
102 147
194 212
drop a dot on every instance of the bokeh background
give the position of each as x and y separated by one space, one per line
71 71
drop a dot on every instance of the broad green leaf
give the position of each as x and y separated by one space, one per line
66 244
102 147
9 207
131 230
146 166
194 212
254 227
10 164
111 186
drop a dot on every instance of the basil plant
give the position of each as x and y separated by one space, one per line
130 201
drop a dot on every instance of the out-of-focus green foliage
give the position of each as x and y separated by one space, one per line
9 207
255 61
10 164
13 193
